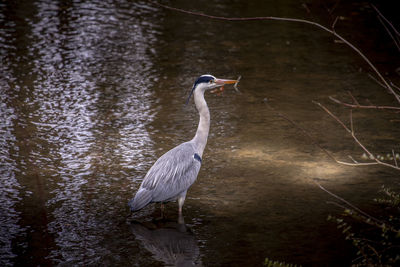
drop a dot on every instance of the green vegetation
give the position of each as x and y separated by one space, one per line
271 263
377 240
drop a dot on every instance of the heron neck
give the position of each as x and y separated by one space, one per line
200 139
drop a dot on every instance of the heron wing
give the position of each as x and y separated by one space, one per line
173 173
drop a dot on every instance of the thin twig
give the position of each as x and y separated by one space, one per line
369 102
349 204
314 142
333 116
395 40
306 8
351 121
334 23
387 21
371 156
384 86
334 7
355 161
376 253
241 19
354 99
346 128
362 106
395 86
378 82
394 158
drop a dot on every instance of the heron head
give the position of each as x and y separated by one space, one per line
207 82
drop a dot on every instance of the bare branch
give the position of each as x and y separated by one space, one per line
395 40
391 83
304 132
368 218
385 83
357 164
314 142
357 105
349 204
241 19
371 156
378 82
395 86
387 21
333 116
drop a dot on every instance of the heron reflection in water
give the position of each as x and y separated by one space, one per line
169 242
174 172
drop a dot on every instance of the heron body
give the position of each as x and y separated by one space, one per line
174 172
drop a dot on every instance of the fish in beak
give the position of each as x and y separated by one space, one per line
221 83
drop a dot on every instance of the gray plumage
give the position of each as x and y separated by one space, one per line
169 178
174 172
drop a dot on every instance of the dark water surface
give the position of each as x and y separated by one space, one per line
92 92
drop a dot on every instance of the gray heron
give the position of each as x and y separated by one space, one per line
174 172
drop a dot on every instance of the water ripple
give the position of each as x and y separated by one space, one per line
84 102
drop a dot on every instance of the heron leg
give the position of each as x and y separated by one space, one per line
181 200
162 209
181 220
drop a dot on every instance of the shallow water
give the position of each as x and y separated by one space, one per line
92 93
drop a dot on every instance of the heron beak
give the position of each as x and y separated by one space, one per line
224 81
220 83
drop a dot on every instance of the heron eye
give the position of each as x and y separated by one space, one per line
211 81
